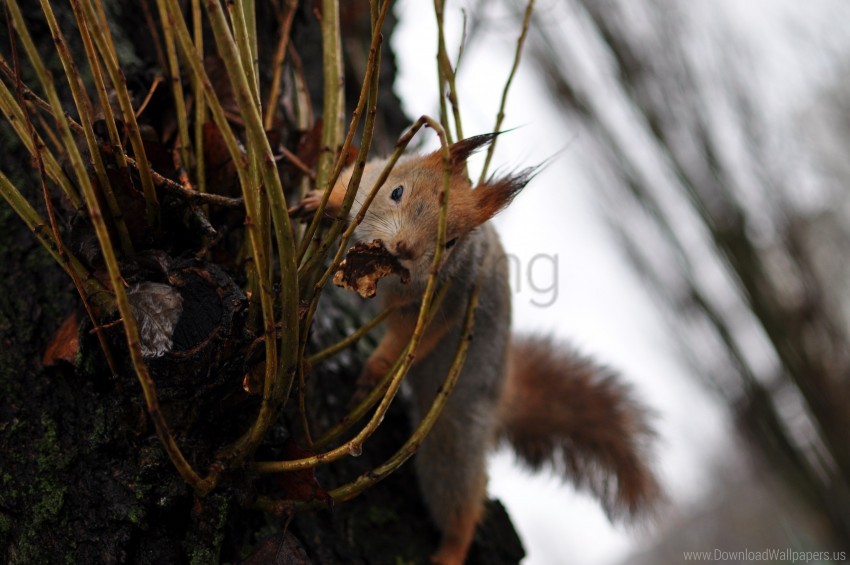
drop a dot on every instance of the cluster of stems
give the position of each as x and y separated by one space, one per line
289 266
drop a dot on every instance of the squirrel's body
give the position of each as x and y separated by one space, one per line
550 405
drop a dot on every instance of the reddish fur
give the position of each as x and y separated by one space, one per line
470 207
561 409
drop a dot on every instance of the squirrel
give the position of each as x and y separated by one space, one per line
551 405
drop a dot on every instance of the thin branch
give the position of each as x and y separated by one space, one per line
289 8
334 96
446 76
349 340
103 40
83 104
16 117
200 100
368 83
103 97
93 289
526 20
176 83
261 261
12 195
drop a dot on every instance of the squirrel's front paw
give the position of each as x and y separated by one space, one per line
308 205
372 374
447 556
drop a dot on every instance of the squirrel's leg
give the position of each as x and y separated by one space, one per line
381 360
387 351
451 467
399 329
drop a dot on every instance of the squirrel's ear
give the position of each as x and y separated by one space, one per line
461 150
493 195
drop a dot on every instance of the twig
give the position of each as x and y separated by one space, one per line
501 115
244 48
349 340
304 107
261 261
157 80
16 117
193 195
176 83
298 163
200 99
334 97
158 180
446 77
94 290
372 79
103 40
83 104
46 128
103 97
289 8
149 21
368 83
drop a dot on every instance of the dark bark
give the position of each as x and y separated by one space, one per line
83 477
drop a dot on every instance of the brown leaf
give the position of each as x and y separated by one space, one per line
310 145
278 549
252 382
364 265
217 73
220 168
65 343
300 485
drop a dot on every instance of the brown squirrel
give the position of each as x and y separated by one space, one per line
550 404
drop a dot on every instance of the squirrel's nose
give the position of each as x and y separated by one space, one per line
403 252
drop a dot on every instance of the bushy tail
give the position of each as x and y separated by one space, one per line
563 410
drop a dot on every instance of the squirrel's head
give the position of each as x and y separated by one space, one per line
406 210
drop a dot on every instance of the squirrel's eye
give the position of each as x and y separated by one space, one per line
396 193
451 243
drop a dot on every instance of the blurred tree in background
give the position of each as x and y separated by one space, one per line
729 192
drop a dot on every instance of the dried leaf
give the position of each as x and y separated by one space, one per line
278 549
364 265
252 383
300 485
65 343
220 168
310 145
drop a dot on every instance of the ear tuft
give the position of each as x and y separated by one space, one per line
461 150
495 194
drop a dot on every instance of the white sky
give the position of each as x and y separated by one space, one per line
601 307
